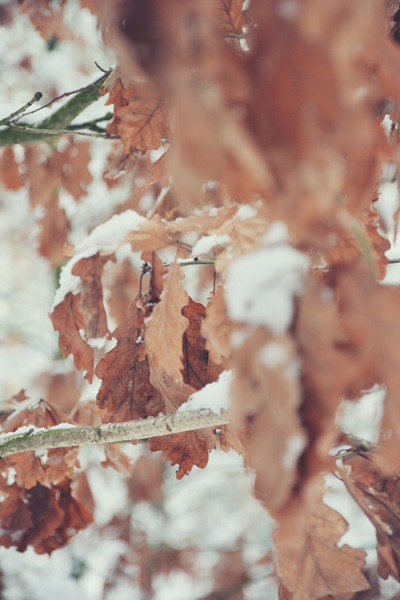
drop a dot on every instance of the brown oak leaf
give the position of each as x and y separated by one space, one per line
185 449
9 173
217 328
91 294
198 368
116 458
141 117
231 16
379 498
54 232
173 393
165 329
266 395
68 318
61 463
308 560
126 392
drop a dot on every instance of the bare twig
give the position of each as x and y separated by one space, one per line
357 445
61 96
7 120
63 437
62 131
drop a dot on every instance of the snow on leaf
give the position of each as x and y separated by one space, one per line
68 318
206 221
167 325
126 392
141 117
308 560
262 284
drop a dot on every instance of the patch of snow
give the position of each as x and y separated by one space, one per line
261 286
277 234
246 211
295 446
213 396
108 236
208 242
98 343
273 355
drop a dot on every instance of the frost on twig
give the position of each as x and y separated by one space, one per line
62 437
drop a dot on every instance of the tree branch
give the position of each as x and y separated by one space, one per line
57 121
62 437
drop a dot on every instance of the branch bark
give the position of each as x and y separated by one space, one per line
62 437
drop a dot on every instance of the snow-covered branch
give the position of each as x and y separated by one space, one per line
62 436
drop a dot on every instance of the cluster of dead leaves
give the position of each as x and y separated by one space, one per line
44 502
279 108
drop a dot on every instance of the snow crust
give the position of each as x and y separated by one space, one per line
261 286
295 446
208 242
214 396
273 355
105 238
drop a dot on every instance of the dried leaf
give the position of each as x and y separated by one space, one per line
140 116
126 392
68 318
165 329
61 463
116 458
173 393
378 497
308 560
91 294
28 469
198 368
230 14
124 288
9 173
54 232
266 393
217 328
185 449
146 479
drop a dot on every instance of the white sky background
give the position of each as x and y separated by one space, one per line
210 508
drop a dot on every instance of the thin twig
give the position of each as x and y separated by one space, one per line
7 120
63 437
64 95
106 71
357 445
89 124
61 131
